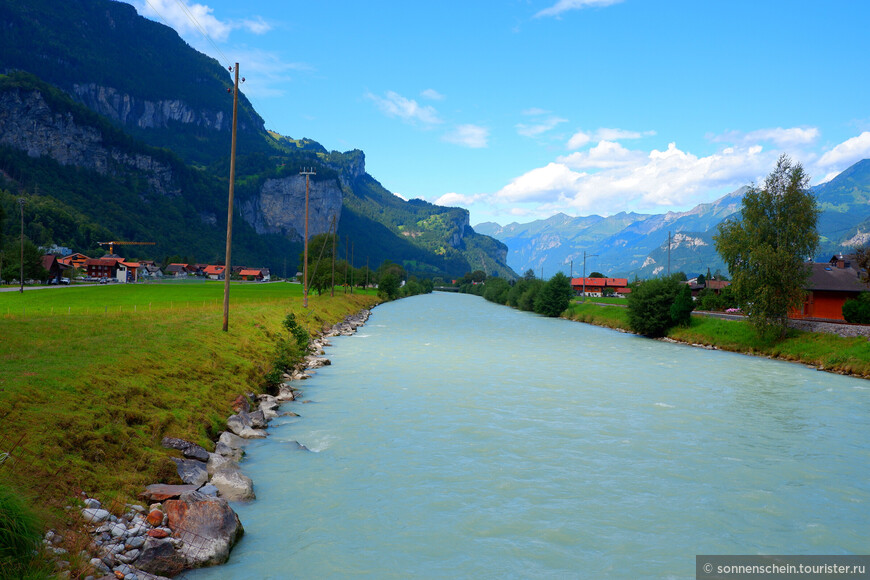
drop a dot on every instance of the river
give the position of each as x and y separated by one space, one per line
454 438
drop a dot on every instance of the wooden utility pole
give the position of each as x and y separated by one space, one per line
367 272
347 264
21 274
228 269
334 235
351 268
669 253
307 173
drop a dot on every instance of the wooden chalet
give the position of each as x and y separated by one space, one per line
830 285
598 286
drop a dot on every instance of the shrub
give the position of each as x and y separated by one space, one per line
554 296
858 310
527 299
20 539
650 306
496 290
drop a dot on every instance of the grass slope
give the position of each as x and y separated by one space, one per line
826 351
92 378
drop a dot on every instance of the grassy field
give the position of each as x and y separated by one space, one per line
830 352
91 378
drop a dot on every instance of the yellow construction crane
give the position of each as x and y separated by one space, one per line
113 244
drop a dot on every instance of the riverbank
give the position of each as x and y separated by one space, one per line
823 351
86 399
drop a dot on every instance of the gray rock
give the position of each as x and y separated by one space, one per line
232 484
231 440
191 471
135 542
216 461
95 515
258 420
228 452
118 530
92 503
100 566
158 556
128 557
209 490
188 449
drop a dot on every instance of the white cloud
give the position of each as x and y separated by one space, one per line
619 179
192 20
540 128
408 110
792 137
473 136
432 95
535 111
453 199
566 5
264 71
581 138
606 154
847 152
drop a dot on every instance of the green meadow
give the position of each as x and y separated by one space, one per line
93 377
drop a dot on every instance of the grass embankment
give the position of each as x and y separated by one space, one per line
828 351
92 378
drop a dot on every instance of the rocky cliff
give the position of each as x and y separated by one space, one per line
279 208
29 123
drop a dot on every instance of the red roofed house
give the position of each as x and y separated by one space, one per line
102 267
128 271
178 270
598 286
252 274
830 285
215 272
51 263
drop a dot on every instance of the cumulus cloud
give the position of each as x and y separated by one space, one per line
566 5
610 178
581 138
393 104
196 19
847 152
473 136
791 137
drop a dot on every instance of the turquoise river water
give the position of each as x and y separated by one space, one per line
454 438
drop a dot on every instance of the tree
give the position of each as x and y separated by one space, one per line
597 274
682 306
862 257
858 310
701 280
555 296
529 275
767 247
388 286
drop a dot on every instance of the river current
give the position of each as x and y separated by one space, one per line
454 438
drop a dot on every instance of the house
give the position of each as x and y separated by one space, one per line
252 274
128 271
178 270
830 285
215 272
76 261
54 267
149 271
600 286
102 267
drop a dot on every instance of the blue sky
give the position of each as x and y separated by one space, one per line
519 109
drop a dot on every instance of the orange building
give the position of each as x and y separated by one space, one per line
830 285
597 286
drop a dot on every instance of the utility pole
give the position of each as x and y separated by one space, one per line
669 253
21 275
585 255
347 264
228 269
307 173
351 268
542 273
367 272
334 235
572 269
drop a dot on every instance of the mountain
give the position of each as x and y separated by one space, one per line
637 244
117 129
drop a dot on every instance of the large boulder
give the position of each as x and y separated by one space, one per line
216 461
191 471
241 425
207 525
159 556
232 484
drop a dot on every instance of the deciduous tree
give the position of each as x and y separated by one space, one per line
766 248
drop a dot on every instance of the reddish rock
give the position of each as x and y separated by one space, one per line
241 404
207 525
163 491
155 518
158 533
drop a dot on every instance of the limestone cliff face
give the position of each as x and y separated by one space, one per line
279 208
461 229
130 111
28 123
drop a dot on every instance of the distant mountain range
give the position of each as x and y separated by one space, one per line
629 244
114 128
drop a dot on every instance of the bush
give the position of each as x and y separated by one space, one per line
20 539
858 310
496 290
555 296
650 306
527 298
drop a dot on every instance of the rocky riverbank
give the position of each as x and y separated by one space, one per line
192 525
